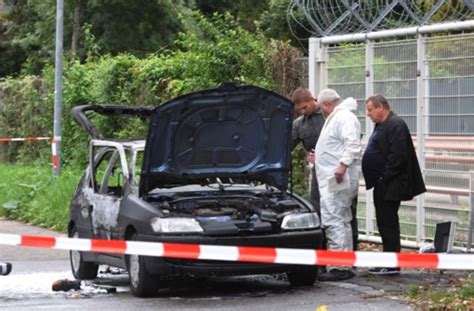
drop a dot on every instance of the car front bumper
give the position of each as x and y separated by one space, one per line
170 266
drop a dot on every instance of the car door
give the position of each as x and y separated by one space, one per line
108 178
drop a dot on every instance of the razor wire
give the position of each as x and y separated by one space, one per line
331 17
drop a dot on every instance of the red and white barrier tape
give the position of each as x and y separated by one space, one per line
29 138
54 150
54 142
249 254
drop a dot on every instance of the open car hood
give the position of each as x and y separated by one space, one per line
229 134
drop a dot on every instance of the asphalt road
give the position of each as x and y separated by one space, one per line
34 271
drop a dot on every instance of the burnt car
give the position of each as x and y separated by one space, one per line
213 170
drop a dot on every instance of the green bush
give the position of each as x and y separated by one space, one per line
33 195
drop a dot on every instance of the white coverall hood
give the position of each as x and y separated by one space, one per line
349 103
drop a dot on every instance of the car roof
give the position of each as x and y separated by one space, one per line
138 144
79 113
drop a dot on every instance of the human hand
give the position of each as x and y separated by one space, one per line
339 172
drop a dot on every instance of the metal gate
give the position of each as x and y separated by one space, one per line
427 75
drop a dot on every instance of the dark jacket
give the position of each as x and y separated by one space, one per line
306 129
402 173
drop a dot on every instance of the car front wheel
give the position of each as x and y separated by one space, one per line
81 269
306 277
142 283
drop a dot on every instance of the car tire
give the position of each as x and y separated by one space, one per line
81 269
142 283
305 277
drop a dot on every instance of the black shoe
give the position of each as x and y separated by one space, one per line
336 275
5 268
384 271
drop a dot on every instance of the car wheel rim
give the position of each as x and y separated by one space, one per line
134 270
75 256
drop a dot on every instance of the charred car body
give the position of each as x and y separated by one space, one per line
213 170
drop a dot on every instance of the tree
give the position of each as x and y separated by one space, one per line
30 29
275 23
139 27
246 12
79 6
10 58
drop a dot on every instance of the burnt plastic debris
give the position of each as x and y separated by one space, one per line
5 268
106 288
66 285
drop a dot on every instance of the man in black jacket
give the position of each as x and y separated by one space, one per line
306 129
390 166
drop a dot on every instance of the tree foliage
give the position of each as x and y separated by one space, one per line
140 27
221 51
245 12
136 27
275 23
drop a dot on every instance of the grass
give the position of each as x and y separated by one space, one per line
458 295
33 195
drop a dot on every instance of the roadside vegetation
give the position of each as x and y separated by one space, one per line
457 294
32 194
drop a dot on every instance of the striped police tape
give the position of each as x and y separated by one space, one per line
54 151
249 253
29 138
54 148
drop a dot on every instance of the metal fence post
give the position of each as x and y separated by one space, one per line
369 127
316 64
420 131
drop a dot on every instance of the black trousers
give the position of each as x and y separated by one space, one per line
354 224
314 197
388 223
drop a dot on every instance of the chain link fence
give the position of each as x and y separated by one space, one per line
427 75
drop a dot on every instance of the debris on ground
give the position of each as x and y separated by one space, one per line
66 285
108 289
112 270
90 289
85 288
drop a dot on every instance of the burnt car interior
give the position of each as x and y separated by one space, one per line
249 210
108 175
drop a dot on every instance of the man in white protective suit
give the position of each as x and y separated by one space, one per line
337 152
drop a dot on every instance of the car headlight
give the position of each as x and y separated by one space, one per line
300 221
168 225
